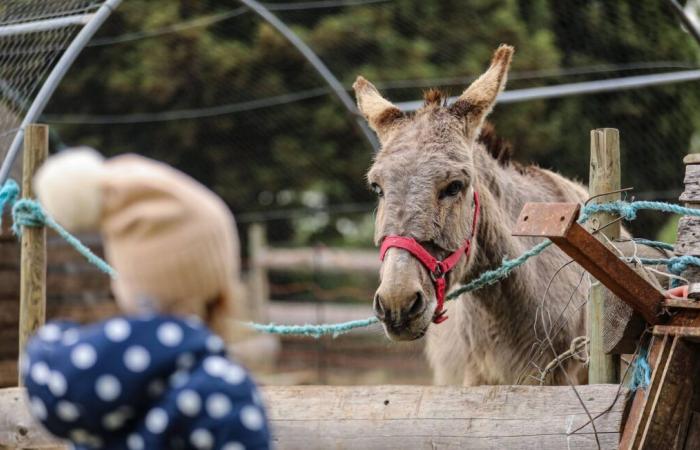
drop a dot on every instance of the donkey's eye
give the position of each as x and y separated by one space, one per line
377 189
452 189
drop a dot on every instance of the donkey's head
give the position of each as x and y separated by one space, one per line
424 177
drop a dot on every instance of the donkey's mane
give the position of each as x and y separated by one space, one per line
496 146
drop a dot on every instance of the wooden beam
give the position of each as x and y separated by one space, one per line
557 221
32 311
320 259
604 176
411 417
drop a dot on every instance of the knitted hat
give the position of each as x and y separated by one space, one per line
172 242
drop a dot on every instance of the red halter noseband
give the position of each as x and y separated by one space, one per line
436 269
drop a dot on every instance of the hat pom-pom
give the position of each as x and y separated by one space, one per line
68 187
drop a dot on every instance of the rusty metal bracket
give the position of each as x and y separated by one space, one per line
557 221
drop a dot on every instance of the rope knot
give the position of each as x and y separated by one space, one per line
27 213
628 211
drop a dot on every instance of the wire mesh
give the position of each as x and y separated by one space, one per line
27 56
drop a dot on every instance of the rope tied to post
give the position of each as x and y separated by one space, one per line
29 213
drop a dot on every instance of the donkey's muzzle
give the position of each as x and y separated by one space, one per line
397 313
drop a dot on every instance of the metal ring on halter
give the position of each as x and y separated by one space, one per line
437 273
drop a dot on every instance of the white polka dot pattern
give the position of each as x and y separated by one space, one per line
252 418
156 420
202 439
57 384
40 373
218 405
117 330
169 334
189 403
67 411
234 374
71 337
83 356
108 387
179 379
116 419
135 442
50 333
215 365
185 361
214 344
38 408
233 446
137 358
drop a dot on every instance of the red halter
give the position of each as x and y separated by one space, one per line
437 269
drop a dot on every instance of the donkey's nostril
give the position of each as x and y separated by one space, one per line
417 307
379 310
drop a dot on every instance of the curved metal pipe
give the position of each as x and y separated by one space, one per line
53 80
318 65
689 25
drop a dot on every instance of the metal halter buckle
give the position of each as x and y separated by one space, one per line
437 273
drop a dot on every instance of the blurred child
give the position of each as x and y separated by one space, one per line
158 376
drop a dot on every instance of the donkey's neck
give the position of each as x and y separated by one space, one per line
503 191
502 197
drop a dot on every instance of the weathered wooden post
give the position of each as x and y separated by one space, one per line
257 275
32 310
604 177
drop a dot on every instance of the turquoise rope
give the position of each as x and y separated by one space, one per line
29 213
8 195
654 244
628 210
334 329
641 372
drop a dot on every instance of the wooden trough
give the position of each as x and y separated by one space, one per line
665 415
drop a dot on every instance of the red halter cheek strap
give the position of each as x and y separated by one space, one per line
436 269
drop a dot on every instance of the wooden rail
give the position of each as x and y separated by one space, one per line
407 417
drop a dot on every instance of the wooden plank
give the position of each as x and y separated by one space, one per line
411 417
604 176
33 259
659 348
671 400
320 259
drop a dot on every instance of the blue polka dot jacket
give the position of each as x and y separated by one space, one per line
155 382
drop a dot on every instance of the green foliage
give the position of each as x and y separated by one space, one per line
313 144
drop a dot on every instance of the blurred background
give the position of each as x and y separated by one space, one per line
211 88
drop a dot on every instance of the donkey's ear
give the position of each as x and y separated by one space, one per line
477 101
379 112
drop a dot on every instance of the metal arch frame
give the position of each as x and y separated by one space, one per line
54 79
330 79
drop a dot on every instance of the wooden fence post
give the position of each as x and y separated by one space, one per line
257 280
604 177
32 309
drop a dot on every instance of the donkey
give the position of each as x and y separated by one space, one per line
437 170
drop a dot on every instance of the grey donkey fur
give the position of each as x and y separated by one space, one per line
491 333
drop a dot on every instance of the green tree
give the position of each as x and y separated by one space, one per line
265 158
